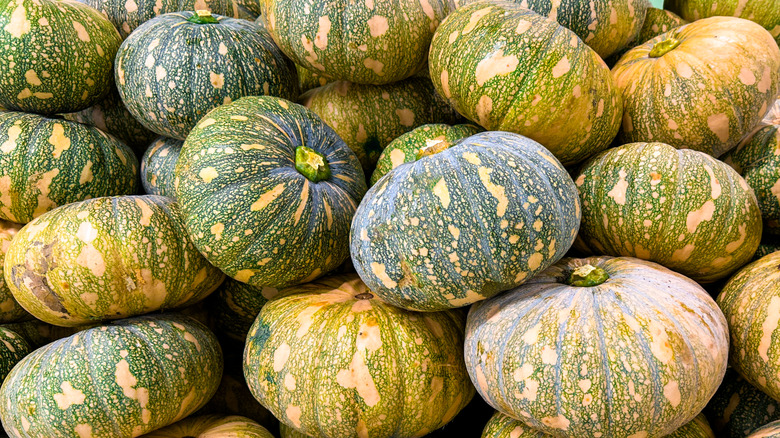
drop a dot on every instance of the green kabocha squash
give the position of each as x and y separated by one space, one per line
419 142
268 191
738 408
119 380
680 208
158 165
212 426
107 258
235 306
771 430
10 310
672 94
589 339
371 42
510 69
169 83
57 55
13 347
45 163
764 12
384 372
464 224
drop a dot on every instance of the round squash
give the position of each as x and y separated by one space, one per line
419 142
369 117
57 55
738 408
268 191
45 163
464 224
13 348
510 69
381 363
235 306
107 258
771 430
680 208
10 310
590 338
212 426
169 83
764 12
158 165
372 42
673 94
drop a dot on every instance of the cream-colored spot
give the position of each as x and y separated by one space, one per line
69 396
281 354
369 336
19 24
160 73
494 65
267 197
484 110
746 76
683 253
733 246
294 414
715 187
222 50
58 139
719 124
207 174
89 257
13 135
86 232
700 215
405 116
672 393
83 430
442 192
81 31
397 158
549 355
206 123
768 327
471 297
289 382
358 376
32 78
86 173
618 192
561 68
684 70
535 261
217 80
379 270
659 343
217 230
523 26
559 422
495 190
474 19
445 83
146 212
321 38
375 66
377 25
131 6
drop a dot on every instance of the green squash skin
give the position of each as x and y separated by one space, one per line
771 430
308 79
375 42
247 208
680 208
38 333
738 408
369 117
657 22
286 431
13 348
107 258
682 101
33 37
564 359
206 426
158 166
769 244
387 372
464 224
405 148
235 306
544 83
10 310
141 374
235 58
63 161
764 12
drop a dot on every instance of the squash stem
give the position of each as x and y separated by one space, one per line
433 148
661 48
202 16
311 164
587 276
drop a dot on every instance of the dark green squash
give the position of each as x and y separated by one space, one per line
158 165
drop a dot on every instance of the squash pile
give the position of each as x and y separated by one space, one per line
389 219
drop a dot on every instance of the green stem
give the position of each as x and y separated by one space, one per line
587 276
661 48
311 164
202 17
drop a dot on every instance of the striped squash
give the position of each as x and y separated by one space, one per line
10 310
268 166
372 42
464 224
680 208
107 258
738 408
13 348
45 163
590 338
385 372
671 96
419 142
510 69
212 426
234 58
119 380
771 430
57 55
369 117
158 165
235 305
764 12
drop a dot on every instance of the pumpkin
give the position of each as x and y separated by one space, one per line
680 208
268 191
771 430
385 372
235 306
361 42
10 310
738 408
464 224
208 426
510 69
13 348
45 163
764 12
158 165
589 338
419 142
121 380
107 258
234 58
671 95
57 55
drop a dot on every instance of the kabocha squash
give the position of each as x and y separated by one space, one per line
119 380
771 430
268 191
369 117
510 69
738 408
235 306
680 208
107 258
169 83
212 426
373 42
158 165
764 12
418 143
464 224
383 372
10 310
57 55
590 338
45 163
13 348
673 94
